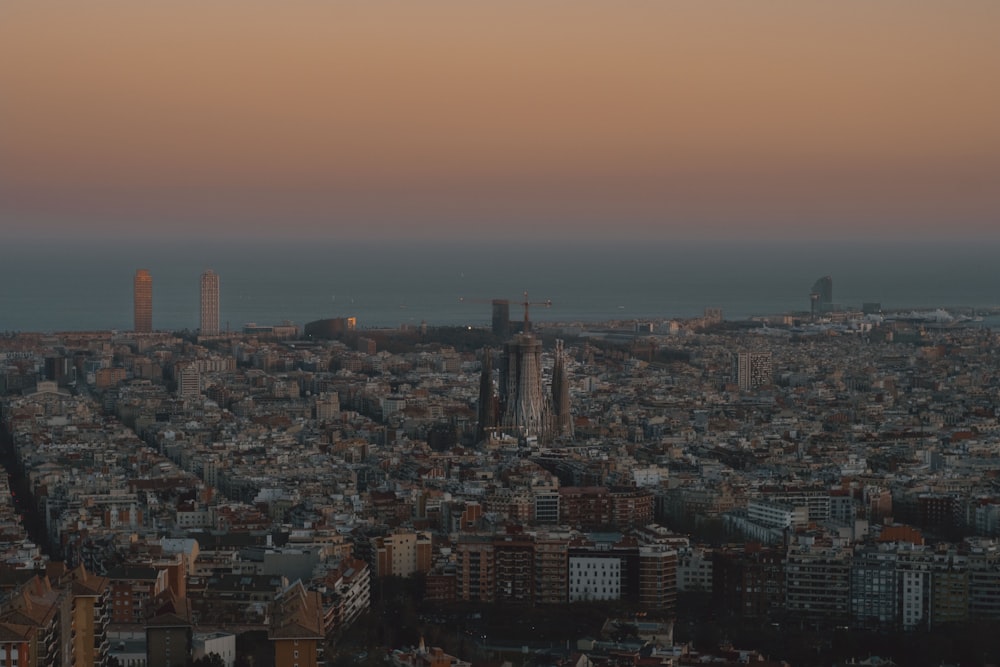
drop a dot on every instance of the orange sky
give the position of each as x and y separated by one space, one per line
646 118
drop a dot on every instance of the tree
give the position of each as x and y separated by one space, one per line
209 660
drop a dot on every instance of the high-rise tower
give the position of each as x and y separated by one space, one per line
209 303
143 301
487 399
501 317
821 296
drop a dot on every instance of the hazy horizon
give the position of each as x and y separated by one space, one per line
52 285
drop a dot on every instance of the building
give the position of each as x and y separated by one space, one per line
487 407
209 304
949 589
751 369
345 594
15 644
585 507
327 406
501 317
424 657
281 331
821 296
334 327
169 639
551 569
105 378
222 644
818 582
514 569
91 613
296 628
777 515
402 554
563 419
875 594
595 578
143 301
631 507
748 582
32 627
188 379
984 582
546 501
695 570
132 587
658 578
475 573
524 409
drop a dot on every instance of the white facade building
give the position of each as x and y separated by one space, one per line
594 578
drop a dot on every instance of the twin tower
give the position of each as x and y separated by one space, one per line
143 302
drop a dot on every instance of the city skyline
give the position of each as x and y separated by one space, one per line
583 120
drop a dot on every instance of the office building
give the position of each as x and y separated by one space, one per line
209 303
143 301
501 317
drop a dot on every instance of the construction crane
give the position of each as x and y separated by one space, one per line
526 303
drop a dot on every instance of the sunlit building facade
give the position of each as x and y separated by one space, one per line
143 301
209 303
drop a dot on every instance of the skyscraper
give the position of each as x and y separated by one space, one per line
209 303
821 296
143 301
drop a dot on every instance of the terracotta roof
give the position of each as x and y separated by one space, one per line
12 632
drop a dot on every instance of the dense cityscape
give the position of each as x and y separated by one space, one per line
811 488
499 334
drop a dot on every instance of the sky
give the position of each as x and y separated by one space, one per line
327 119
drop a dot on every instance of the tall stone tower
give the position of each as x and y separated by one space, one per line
487 399
524 410
563 421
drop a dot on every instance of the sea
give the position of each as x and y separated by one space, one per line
87 285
